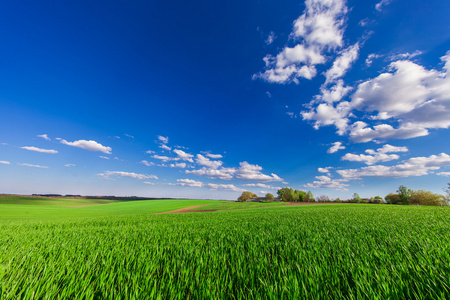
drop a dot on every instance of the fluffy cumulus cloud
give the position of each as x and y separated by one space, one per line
222 173
211 186
324 170
31 148
318 30
327 182
183 155
109 174
336 147
416 166
4 162
178 165
375 156
87 145
251 172
204 161
32 166
403 103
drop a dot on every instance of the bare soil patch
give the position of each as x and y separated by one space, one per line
188 210
309 203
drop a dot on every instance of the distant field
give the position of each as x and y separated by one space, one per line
242 250
43 208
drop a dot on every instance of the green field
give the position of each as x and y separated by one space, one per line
242 250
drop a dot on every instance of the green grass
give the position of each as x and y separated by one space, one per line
288 252
24 207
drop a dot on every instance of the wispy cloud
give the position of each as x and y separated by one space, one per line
109 174
4 162
163 139
31 148
44 136
32 166
148 164
211 186
69 165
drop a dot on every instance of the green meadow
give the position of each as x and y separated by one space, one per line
102 249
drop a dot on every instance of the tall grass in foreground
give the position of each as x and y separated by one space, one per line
317 252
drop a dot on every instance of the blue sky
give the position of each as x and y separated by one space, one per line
206 99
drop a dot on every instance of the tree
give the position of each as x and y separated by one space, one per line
422 197
405 194
310 197
246 195
323 198
356 198
447 191
269 197
392 198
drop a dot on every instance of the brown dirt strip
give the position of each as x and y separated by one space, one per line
187 210
309 203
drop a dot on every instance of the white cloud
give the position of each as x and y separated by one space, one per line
109 174
251 172
213 156
129 135
443 173
183 155
165 147
44 136
405 56
324 170
87 145
4 162
189 182
163 158
322 23
149 183
204 161
342 63
30 148
327 182
270 38
262 185
374 156
379 6
148 164
416 166
104 157
336 147
408 96
371 57
163 139
320 28
33 166
222 173
326 114
69 165
178 165
212 186
360 133
150 152
333 94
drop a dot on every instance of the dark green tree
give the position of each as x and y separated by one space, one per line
405 194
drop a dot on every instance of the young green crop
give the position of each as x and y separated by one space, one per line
311 252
